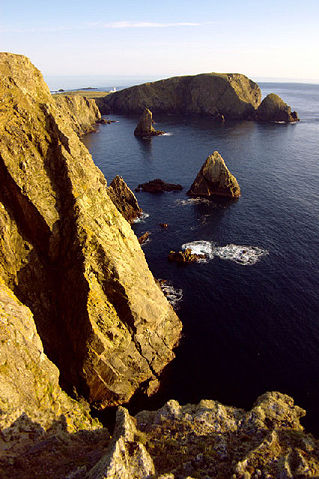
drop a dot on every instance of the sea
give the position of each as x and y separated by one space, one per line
250 312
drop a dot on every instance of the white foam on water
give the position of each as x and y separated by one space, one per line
173 295
244 255
192 201
142 218
167 134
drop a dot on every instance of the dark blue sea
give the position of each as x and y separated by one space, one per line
250 313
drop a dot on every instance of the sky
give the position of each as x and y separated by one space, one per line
156 39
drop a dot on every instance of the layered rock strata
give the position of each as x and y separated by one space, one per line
82 113
209 440
145 127
214 179
273 108
69 255
124 199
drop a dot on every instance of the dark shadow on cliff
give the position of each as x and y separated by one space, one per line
30 452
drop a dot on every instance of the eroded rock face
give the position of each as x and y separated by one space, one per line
214 441
82 113
228 96
69 255
145 127
273 108
214 179
124 199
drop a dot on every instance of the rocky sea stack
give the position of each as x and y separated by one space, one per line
273 108
145 127
214 179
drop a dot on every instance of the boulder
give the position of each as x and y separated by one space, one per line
124 199
69 255
217 95
145 127
158 186
214 179
142 239
273 108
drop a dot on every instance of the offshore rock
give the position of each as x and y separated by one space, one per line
124 199
142 239
218 95
82 113
214 179
145 127
69 255
158 186
185 256
273 108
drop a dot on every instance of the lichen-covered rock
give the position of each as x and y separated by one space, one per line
273 108
212 440
145 127
126 458
215 179
227 96
69 255
124 199
82 113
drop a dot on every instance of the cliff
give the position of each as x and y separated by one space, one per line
214 179
68 254
231 95
124 199
81 113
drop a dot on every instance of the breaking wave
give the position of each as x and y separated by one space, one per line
244 255
167 134
173 295
142 218
193 201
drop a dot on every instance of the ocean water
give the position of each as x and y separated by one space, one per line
251 311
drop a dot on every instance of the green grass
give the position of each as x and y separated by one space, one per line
87 93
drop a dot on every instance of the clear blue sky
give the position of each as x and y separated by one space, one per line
263 39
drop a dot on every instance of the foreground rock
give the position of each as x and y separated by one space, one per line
82 113
142 239
221 96
69 255
214 179
185 256
158 186
209 440
124 199
145 127
273 108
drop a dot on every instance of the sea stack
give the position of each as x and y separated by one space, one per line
273 108
124 199
145 127
215 179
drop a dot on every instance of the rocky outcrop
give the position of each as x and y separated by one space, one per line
209 440
69 255
124 199
158 186
145 127
142 239
221 96
82 113
273 108
185 256
214 179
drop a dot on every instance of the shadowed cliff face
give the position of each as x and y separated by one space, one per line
69 255
232 95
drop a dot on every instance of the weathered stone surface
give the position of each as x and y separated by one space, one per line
124 199
126 458
69 255
214 179
158 186
212 440
142 239
228 96
82 113
273 108
145 127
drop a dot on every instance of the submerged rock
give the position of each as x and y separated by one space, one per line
158 186
214 179
69 255
145 127
124 199
273 108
